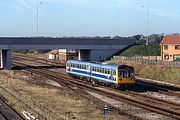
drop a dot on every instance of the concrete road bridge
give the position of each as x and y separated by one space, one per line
89 48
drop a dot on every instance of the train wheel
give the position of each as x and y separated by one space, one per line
130 87
114 86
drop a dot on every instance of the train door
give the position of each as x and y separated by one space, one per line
68 66
90 70
111 75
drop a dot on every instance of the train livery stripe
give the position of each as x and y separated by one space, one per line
103 79
80 71
96 76
101 76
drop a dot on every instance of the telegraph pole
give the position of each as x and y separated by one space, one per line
147 23
37 26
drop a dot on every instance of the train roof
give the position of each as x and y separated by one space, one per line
125 67
104 64
79 61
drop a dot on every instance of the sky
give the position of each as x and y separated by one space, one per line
89 17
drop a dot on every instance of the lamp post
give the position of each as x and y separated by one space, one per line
38 18
147 23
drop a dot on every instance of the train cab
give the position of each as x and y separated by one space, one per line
125 75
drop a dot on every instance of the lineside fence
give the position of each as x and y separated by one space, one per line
145 61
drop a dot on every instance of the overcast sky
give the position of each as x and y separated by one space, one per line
88 17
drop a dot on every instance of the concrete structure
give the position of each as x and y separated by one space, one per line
89 48
6 59
170 48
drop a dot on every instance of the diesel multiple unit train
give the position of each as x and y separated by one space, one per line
105 72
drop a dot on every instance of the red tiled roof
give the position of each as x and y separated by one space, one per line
171 40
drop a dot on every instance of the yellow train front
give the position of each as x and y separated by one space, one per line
125 75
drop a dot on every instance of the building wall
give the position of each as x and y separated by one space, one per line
168 54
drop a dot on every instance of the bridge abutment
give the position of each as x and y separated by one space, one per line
6 59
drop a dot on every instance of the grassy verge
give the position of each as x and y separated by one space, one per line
155 72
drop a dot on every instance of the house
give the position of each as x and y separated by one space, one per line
65 54
170 48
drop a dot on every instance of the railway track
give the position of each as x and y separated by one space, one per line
161 89
7 112
141 101
38 60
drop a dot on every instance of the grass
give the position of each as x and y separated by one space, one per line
155 72
152 49
62 103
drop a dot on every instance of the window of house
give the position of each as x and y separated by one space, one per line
177 47
166 57
165 47
176 57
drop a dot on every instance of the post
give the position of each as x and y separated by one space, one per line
105 110
38 18
84 54
6 59
147 25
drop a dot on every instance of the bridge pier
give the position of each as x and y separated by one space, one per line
96 55
6 59
84 54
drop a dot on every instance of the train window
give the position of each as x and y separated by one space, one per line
82 66
98 69
125 73
108 71
131 73
114 72
101 70
121 74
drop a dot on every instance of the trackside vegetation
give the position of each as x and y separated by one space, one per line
155 72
